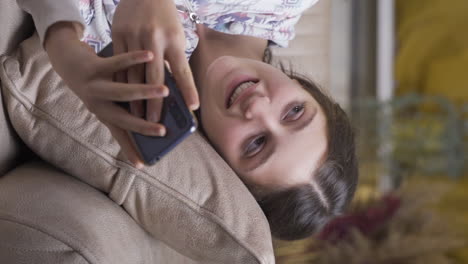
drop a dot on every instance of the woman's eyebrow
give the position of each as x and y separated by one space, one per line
264 158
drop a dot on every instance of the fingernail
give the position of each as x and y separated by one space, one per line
139 165
165 91
158 132
146 56
194 106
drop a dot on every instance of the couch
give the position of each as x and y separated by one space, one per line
48 216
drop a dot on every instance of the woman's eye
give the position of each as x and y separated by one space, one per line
295 113
255 146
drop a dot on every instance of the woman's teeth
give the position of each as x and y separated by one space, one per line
239 90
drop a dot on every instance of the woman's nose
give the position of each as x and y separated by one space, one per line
255 106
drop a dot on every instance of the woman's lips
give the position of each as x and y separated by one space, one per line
233 85
244 94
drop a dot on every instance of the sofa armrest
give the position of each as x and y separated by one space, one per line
26 244
47 216
13 151
16 25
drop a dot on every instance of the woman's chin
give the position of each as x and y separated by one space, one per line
219 67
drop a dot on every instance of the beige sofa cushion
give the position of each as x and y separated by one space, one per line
10 147
49 217
191 199
14 26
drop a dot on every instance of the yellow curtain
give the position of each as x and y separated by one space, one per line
432 59
432 51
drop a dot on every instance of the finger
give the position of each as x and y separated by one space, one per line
183 76
136 74
127 147
125 60
137 108
155 68
119 47
124 92
120 117
155 75
153 110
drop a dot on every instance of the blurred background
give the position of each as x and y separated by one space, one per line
400 69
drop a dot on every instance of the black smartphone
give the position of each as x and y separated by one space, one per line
175 116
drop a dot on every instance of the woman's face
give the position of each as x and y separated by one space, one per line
271 131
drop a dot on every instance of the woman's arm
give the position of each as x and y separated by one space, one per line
45 13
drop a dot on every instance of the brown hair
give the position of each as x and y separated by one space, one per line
300 211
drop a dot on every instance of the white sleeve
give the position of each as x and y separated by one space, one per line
285 29
47 12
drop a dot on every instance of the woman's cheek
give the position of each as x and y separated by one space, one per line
227 139
226 133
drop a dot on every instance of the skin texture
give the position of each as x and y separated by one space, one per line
267 118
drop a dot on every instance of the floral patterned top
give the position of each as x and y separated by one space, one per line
268 19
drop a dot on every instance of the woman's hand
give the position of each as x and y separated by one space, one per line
153 25
90 77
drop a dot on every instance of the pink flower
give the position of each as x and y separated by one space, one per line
365 221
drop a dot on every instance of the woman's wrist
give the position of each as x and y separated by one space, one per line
60 33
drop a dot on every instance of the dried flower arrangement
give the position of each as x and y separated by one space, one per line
399 228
